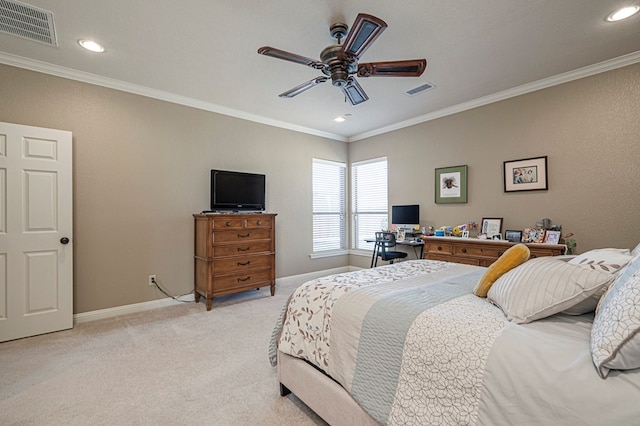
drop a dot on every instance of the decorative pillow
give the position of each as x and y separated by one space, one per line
608 259
615 334
514 256
545 286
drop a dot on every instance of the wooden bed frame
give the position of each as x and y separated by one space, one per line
320 392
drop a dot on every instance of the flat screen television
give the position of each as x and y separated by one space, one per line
406 216
237 191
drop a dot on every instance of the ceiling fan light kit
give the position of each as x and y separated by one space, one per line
340 61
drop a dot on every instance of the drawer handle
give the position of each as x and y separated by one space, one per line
533 256
228 223
243 279
243 249
464 250
259 223
248 262
439 248
244 236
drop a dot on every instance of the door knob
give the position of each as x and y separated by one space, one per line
64 240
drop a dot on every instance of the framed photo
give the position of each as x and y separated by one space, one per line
451 185
491 226
513 236
533 235
529 174
552 237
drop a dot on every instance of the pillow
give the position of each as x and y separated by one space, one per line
545 286
636 250
615 334
514 256
609 259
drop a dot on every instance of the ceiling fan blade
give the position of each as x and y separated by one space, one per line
303 87
291 57
354 92
363 32
408 68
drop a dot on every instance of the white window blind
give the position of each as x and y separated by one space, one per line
369 200
329 205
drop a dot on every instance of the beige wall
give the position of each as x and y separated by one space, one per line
141 168
590 131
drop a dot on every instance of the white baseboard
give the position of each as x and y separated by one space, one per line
127 309
160 303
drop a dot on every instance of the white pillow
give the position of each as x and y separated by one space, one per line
615 334
636 250
545 286
608 259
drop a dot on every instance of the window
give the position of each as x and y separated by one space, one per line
329 206
369 200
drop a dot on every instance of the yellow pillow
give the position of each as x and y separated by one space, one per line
514 256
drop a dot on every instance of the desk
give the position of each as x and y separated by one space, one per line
412 243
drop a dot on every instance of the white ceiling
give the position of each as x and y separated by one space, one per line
204 53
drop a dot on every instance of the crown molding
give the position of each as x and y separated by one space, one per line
587 71
85 77
59 71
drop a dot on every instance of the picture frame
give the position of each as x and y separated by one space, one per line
491 226
451 185
533 235
513 236
552 237
528 174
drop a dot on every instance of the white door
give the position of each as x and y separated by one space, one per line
36 256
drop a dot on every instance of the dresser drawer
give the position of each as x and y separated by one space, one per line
242 235
249 247
258 223
454 259
493 252
247 280
239 264
227 223
438 247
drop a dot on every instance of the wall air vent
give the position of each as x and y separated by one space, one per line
26 21
419 89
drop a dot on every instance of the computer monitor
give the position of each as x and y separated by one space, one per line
405 216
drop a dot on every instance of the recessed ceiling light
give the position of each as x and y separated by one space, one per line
91 45
339 119
623 13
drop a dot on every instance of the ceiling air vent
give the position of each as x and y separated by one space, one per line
419 89
28 22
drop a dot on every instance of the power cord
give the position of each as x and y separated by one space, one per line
157 284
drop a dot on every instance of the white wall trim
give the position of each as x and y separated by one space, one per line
43 67
587 71
127 309
85 77
161 303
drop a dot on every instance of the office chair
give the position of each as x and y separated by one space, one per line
385 241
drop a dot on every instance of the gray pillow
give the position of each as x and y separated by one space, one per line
545 286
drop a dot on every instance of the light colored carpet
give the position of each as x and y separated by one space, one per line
177 365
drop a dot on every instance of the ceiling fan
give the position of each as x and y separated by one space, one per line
340 62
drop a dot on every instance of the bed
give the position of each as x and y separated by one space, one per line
412 343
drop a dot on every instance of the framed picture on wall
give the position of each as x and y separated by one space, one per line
451 185
529 174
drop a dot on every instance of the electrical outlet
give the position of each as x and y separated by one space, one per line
152 280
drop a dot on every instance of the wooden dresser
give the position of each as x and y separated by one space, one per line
472 251
233 253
